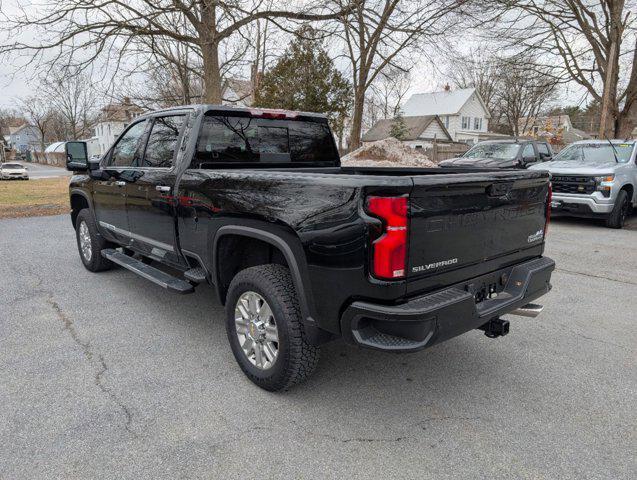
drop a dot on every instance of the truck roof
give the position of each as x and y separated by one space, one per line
604 141
249 110
510 140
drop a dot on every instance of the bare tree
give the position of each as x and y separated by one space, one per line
479 69
72 28
523 93
379 32
389 90
72 95
587 42
37 112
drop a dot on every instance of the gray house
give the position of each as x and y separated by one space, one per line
23 138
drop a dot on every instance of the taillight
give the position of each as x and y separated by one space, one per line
389 251
549 199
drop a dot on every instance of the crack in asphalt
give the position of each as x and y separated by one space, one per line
334 438
601 277
95 360
592 339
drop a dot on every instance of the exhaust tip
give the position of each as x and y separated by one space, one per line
531 310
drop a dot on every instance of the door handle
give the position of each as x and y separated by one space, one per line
162 188
119 183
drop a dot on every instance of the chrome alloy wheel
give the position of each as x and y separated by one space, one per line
85 242
256 330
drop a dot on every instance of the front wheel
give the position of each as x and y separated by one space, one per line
620 211
90 243
265 328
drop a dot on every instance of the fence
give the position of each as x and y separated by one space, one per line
444 151
57 159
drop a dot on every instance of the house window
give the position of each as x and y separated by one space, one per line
477 123
446 121
466 121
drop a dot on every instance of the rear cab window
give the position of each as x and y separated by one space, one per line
227 141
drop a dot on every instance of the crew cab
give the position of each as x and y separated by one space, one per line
509 153
301 250
595 179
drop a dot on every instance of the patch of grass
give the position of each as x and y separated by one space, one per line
34 198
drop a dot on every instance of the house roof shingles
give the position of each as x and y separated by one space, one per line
446 102
415 126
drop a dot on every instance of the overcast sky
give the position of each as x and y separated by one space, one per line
16 80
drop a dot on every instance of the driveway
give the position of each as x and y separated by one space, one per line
105 375
46 171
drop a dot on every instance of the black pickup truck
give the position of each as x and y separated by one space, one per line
509 153
302 250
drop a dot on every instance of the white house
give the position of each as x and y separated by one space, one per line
112 121
462 112
420 132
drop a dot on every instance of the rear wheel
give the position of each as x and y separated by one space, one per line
90 243
620 211
265 328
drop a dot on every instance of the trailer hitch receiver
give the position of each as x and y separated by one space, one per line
495 328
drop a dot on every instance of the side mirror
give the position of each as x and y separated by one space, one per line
527 160
76 156
94 163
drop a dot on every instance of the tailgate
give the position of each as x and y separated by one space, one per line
463 219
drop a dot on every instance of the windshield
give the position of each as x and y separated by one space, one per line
506 151
12 166
595 153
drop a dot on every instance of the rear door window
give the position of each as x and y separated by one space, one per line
543 149
227 141
162 142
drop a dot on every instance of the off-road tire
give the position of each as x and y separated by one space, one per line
620 211
96 263
297 358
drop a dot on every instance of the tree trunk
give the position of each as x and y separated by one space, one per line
627 118
357 119
609 106
211 73
609 96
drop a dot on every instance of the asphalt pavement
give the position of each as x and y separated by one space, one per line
37 171
108 376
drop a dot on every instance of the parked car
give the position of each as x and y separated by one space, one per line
13 171
301 250
511 153
595 179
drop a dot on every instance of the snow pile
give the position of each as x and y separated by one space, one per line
386 153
